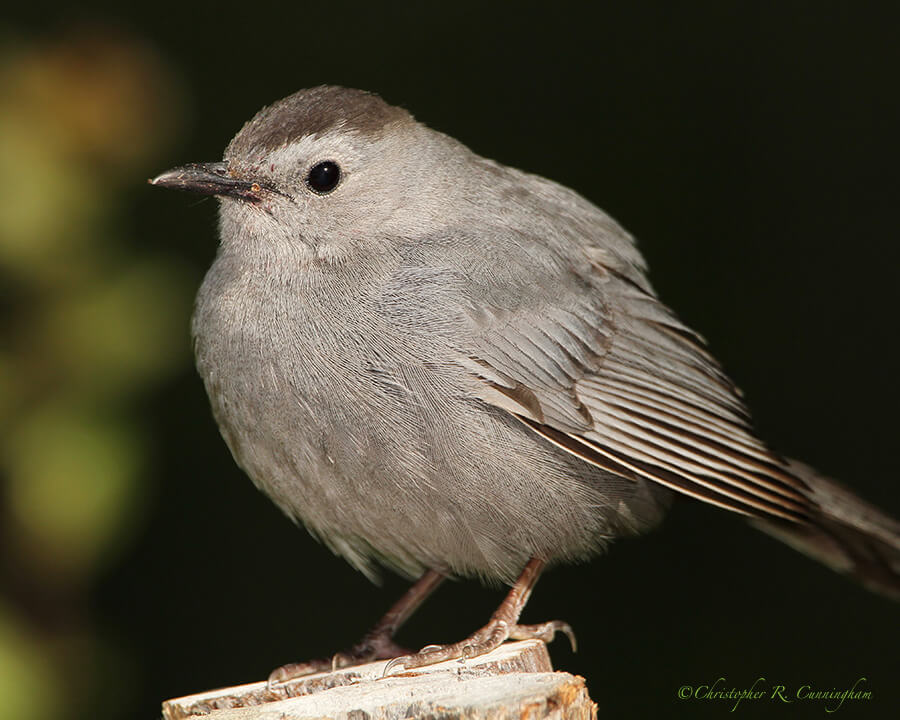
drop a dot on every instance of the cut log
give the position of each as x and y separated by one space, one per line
515 682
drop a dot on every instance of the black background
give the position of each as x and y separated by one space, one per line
753 152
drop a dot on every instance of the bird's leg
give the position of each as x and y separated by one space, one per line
503 625
377 644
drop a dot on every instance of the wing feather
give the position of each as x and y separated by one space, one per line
611 375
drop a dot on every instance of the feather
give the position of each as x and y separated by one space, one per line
623 385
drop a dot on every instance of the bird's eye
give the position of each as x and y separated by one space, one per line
324 177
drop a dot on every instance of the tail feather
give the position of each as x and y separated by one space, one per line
845 533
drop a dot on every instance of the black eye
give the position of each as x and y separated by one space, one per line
324 177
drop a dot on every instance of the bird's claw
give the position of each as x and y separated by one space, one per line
491 636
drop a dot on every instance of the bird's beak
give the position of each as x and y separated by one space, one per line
208 179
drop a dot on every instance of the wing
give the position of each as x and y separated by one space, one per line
592 361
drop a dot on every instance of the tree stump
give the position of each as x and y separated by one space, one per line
514 682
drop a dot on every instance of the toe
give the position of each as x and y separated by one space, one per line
286 673
544 632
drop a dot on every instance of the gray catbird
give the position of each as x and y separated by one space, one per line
447 366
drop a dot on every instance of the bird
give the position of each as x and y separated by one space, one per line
446 367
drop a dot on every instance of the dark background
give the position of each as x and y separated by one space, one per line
752 151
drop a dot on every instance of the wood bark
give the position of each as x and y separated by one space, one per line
516 682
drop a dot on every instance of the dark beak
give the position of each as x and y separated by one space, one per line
208 179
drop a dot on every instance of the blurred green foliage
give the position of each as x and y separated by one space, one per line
26 679
91 323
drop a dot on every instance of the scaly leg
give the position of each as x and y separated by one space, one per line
503 625
377 644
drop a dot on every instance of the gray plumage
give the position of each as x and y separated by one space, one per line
447 363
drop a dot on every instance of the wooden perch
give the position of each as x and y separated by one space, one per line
514 682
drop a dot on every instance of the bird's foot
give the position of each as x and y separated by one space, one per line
378 644
491 636
369 649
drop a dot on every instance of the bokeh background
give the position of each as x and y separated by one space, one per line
752 149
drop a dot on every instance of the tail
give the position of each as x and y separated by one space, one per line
845 533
